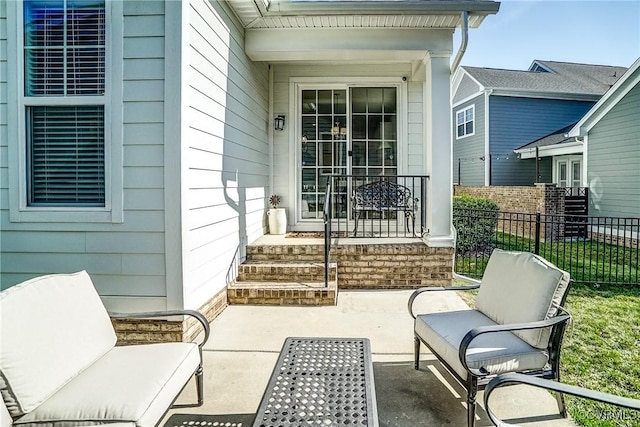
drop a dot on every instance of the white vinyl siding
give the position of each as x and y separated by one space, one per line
225 148
125 257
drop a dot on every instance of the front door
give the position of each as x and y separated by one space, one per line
345 131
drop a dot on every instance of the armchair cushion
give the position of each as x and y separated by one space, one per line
520 287
53 328
496 352
152 378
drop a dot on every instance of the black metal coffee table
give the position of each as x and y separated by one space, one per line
320 381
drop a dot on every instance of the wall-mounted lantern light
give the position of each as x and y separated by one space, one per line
278 122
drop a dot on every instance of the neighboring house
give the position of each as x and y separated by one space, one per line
611 134
137 138
565 153
496 111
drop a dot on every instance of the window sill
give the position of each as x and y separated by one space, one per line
65 215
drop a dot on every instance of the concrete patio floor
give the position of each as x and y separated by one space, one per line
246 340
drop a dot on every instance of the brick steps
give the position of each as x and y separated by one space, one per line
284 275
293 273
282 293
269 271
286 253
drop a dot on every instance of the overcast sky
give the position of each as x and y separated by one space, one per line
586 31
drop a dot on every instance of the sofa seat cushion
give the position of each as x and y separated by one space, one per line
496 352
128 384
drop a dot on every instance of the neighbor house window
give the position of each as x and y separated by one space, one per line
64 102
464 122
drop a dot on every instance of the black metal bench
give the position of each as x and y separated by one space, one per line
384 196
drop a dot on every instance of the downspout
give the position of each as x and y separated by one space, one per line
464 28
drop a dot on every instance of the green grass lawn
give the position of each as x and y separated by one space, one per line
586 261
601 348
601 351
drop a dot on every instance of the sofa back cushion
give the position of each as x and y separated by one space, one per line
53 327
520 287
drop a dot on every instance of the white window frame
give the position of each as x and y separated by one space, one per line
473 120
559 182
19 211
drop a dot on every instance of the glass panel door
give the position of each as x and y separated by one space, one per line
562 174
335 122
323 145
576 174
374 131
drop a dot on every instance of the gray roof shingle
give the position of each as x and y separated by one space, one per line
556 137
565 78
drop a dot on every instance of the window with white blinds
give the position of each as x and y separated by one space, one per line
65 150
64 58
64 47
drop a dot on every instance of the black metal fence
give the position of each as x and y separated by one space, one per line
598 250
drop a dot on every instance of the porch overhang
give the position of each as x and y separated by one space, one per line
574 147
346 44
361 14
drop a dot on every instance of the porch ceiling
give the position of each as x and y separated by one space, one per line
255 14
346 44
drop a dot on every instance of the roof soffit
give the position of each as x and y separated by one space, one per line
355 14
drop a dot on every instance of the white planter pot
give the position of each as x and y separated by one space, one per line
277 221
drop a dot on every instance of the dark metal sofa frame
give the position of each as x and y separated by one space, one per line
558 387
384 196
478 379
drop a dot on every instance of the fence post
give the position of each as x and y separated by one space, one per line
537 248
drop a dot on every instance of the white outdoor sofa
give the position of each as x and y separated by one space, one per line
59 364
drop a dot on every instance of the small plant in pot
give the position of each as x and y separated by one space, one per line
277 216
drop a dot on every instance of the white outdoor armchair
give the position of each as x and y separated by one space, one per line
517 325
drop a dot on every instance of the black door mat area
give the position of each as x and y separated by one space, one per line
200 420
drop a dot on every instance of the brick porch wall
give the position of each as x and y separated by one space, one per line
145 331
392 266
540 198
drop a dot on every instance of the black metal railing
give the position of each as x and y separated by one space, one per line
598 250
326 217
378 206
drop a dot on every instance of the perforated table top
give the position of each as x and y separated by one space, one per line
320 382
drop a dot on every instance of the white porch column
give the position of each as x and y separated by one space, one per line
438 150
